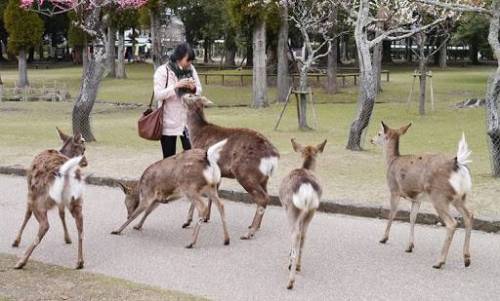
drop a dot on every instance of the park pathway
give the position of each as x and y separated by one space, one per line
343 259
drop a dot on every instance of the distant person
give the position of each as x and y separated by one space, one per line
172 80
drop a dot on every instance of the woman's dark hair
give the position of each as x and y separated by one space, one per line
181 51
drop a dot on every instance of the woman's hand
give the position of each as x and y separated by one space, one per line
183 83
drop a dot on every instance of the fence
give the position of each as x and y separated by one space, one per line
231 79
34 92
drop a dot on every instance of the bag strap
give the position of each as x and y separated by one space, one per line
166 85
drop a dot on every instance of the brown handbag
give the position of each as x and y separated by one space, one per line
150 124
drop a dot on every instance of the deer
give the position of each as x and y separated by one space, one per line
186 175
55 179
248 156
300 194
442 179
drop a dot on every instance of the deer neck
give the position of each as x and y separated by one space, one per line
196 120
392 149
309 163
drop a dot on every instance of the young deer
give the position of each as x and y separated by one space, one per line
188 174
300 194
55 179
247 157
442 179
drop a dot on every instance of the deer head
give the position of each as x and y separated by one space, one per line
386 133
73 146
131 191
309 153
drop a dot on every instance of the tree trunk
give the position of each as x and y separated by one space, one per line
206 50
474 50
120 66
377 66
283 81
331 70
367 85
249 51
22 67
155 17
85 54
230 59
110 51
493 93
259 67
422 68
84 103
31 55
443 56
386 52
303 86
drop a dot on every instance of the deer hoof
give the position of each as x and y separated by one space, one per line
186 224
290 285
384 240
79 265
226 242
138 228
409 249
115 232
19 265
298 268
15 244
467 261
67 240
206 220
438 265
246 237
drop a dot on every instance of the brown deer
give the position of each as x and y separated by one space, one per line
300 194
188 174
55 179
247 156
440 178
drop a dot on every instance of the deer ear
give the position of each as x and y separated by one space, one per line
321 147
62 135
385 127
404 129
78 138
206 102
296 146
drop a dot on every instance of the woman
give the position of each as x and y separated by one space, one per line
172 80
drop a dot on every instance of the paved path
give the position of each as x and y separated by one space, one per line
342 261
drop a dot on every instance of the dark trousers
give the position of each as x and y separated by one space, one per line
168 144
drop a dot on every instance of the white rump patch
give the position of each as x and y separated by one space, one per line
66 185
212 172
461 180
306 198
268 165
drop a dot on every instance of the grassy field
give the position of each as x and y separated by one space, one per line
40 281
27 128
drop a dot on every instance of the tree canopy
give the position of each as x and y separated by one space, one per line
25 27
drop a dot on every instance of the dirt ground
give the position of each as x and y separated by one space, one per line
40 281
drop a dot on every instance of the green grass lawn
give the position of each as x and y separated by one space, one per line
27 128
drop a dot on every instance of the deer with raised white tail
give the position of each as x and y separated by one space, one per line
248 156
300 194
55 179
444 180
188 174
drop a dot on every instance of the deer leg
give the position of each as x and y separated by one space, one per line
27 217
201 208
206 219
451 225
190 216
305 226
132 217
295 245
415 206
468 219
62 215
148 211
392 214
76 212
43 227
261 198
220 207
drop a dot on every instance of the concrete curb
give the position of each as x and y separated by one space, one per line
481 223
